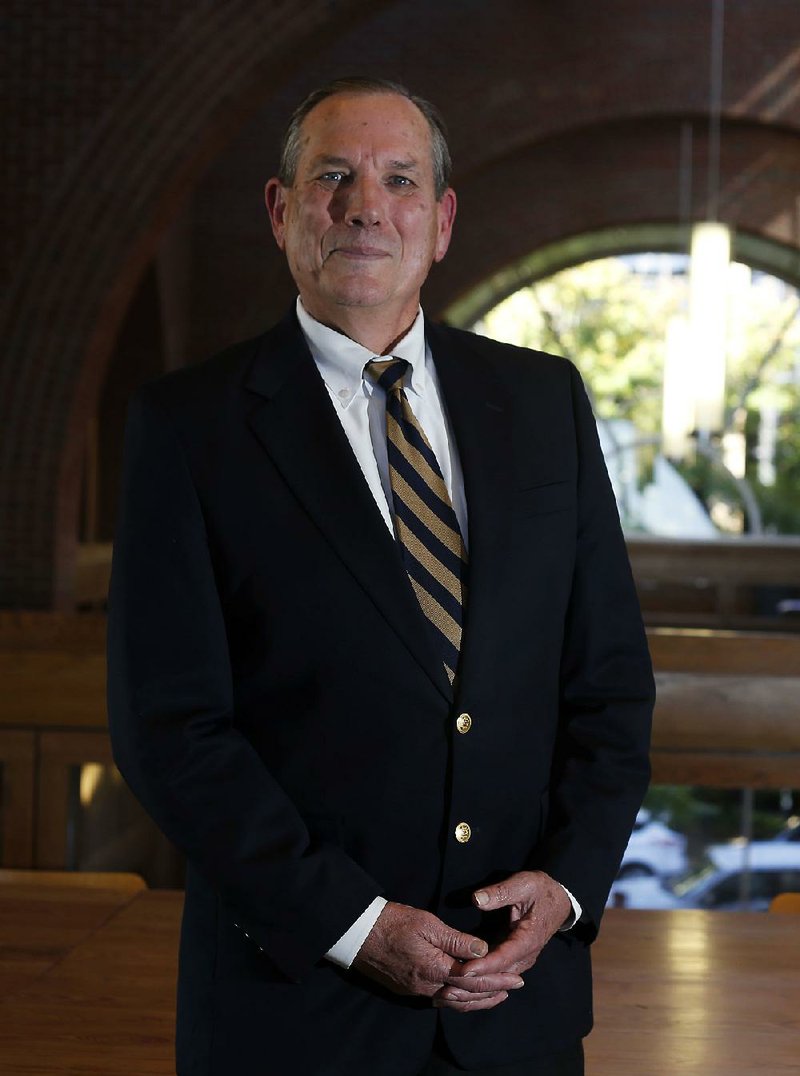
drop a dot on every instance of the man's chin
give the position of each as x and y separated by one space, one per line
362 294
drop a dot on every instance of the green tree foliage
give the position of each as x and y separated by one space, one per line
611 319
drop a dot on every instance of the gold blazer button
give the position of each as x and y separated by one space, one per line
463 832
463 722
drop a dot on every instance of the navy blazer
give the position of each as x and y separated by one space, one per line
277 705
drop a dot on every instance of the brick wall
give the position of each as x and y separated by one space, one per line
563 117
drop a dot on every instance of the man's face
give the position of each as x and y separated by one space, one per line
361 225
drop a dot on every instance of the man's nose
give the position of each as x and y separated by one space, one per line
363 208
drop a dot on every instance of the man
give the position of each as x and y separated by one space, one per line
375 658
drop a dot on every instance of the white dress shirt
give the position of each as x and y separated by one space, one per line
361 407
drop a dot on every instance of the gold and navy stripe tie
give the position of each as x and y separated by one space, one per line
425 524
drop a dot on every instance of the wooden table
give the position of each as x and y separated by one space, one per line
87 988
696 993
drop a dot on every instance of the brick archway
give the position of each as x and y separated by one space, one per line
618 175
572 115
752 250
87 254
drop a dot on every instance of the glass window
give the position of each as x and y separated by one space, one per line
626 323
710 848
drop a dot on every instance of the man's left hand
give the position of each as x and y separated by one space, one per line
538 907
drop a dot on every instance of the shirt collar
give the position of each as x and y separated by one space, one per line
341 361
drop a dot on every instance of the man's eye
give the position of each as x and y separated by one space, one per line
400 181
332 177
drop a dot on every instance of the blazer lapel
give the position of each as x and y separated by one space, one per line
480 417
295 423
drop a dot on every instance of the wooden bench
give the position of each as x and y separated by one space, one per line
728 715
728 709
52 717
56 766
731 583
681 583
113 881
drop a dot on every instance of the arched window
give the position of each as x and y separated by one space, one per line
622 320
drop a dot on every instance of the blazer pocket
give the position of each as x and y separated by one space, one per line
544 499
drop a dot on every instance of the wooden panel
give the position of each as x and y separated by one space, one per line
52 667
715 584
726 731
17 759
43 688
59 751
48 687
727 712
740 653
721 769
104 880
92 572
722 696
26 630
748 622
739 561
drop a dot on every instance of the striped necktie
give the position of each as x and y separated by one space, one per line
425 523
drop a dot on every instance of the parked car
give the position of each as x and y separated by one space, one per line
732 877
653 849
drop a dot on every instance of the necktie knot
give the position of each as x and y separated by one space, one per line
388 373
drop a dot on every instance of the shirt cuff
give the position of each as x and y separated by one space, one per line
346 948
577 911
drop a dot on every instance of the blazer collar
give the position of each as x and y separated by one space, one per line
295 423
480 414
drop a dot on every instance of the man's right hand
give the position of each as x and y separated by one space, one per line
410 951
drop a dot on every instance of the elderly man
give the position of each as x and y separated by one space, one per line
375 658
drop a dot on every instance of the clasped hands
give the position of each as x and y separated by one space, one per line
410 951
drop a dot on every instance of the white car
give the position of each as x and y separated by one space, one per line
653 850
733 877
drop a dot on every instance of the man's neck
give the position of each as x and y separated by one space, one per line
373 330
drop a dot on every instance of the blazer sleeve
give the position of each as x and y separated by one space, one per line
173 727
601 770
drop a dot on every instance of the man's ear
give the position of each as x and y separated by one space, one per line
446 216
275 201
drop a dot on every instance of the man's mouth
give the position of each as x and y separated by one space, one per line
360 253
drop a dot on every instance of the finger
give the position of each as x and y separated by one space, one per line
510 891
470 1003
457 993
451 994
458 945
480 984
514 955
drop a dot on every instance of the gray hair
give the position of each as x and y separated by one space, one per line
358 84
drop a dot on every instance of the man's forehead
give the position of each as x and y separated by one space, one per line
349 103
389 120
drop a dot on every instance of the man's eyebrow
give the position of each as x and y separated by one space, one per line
325 160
